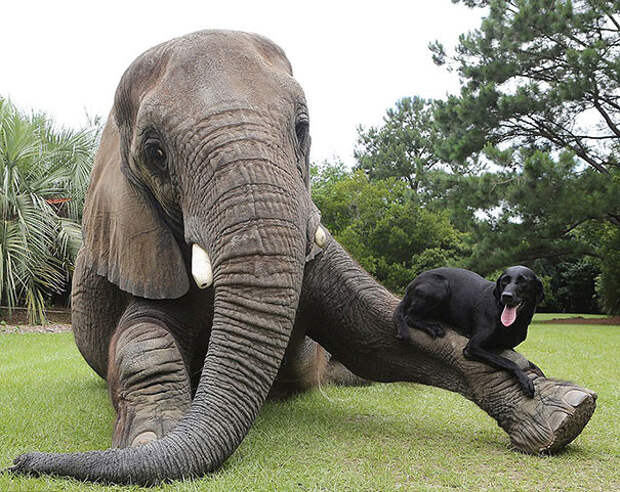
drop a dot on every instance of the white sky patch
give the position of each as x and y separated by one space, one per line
354 59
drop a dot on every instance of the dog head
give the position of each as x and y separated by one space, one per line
517 291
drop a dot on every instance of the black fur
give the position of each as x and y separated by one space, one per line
473 306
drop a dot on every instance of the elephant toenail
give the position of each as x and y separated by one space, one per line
557 419
574 397
143 438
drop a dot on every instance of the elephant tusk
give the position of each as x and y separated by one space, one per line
201 267
319 237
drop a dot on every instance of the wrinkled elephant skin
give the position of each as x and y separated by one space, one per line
205 269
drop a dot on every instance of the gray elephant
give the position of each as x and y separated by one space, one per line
205 269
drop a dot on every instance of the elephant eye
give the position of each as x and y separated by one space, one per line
154 154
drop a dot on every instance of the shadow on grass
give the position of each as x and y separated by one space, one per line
336 422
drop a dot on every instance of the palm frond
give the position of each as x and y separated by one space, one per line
44 174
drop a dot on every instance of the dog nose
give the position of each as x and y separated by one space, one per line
507 297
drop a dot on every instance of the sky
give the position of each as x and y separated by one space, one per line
354 59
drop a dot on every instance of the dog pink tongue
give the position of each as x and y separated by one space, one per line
509 314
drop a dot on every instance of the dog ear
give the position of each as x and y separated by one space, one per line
446 288
497 291
540 291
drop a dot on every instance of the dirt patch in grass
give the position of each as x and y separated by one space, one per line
615 320
17 322
19 316
51 328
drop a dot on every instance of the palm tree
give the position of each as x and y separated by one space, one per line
43 178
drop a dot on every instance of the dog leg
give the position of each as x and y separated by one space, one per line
404 322
432 328
400 320
537 370
473 351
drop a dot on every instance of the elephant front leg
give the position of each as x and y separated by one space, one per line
148 382
349 314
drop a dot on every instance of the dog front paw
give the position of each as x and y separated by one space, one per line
439 331
535 369
403 335
435 330
527 384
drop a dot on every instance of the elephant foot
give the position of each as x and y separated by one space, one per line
137 425
143 438
543 424
553 418
149 384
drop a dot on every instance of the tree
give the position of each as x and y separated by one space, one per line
383 228
540 86
403 147
544 73
608 283
44 174
539 210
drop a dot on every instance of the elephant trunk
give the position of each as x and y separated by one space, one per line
258 261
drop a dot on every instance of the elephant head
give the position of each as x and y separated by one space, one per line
206 150
202 176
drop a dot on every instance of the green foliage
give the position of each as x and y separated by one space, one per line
608 284
44 174
402 147
545 212
569 284
544 73
540 209
383 228
539 104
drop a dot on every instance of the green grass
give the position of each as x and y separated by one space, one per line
548 316
385 437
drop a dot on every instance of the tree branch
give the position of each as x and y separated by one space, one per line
606 117
574 226
611 18
577 148
608 101
614 219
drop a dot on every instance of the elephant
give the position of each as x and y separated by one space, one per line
206 281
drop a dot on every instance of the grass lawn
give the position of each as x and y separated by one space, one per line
381 438
548 316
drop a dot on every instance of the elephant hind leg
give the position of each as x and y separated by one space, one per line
148 381
337 373
306 365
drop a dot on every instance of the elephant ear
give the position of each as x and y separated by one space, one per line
125 239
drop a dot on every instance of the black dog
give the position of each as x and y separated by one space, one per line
491 315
